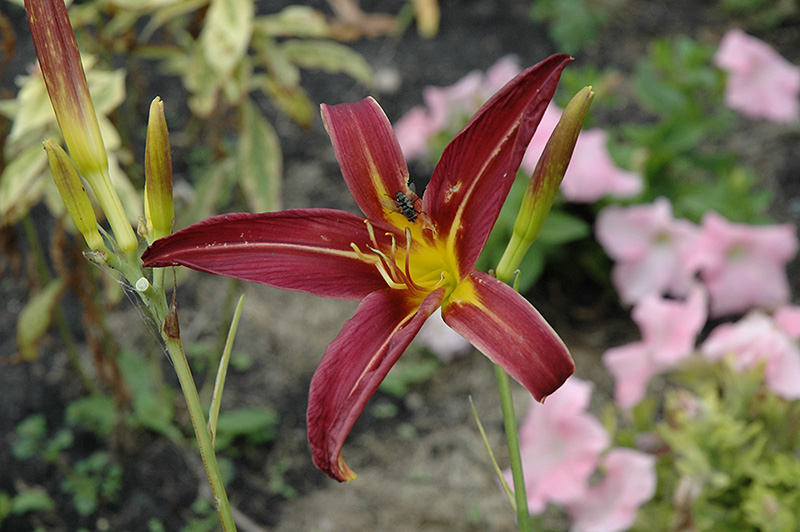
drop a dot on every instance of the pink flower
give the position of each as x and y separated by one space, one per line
499 74
758 338
743 266
449 107
441 340
788 319
535 149
611 505
591 174
456 101
561 445
669 329
413 132
649 247
762 84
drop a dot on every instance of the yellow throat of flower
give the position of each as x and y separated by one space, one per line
419 267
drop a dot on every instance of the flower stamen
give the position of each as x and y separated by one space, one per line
396 277
411 282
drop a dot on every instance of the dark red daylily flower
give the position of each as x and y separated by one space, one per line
404 260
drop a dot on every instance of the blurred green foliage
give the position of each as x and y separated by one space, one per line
765 14
729 460
683 152
88 481
573 24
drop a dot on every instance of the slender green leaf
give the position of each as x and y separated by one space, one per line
222 371
293 21
226 33
330 57
259 160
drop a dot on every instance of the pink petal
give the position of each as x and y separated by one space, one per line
632 368
610 506
304 249
593 175
500 73
353 367
413 132
447 103
477 169
507 329
560 445
669 331
757 338
743 266
650 247
369 155
788 319
670 326
762 84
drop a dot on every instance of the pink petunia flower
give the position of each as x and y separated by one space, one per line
743 266
758 338
649 247
441 340
535 149
560 445
669 330
761 83
591 174
788 319
611 505
446 107
413 131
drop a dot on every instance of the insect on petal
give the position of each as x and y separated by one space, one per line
369 155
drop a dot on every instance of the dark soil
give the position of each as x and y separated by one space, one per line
424 468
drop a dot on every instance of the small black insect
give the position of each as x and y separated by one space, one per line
403 203
405 206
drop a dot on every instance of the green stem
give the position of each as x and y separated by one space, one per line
512 258
514 457
167 317
175 348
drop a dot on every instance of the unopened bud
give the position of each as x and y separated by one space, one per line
74 195
65 80
158 205
546 179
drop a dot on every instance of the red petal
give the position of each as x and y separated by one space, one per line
508 330
354 366
304 249
368 153
477 169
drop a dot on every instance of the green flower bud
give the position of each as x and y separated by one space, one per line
74 195
159 210
546 179
63 74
